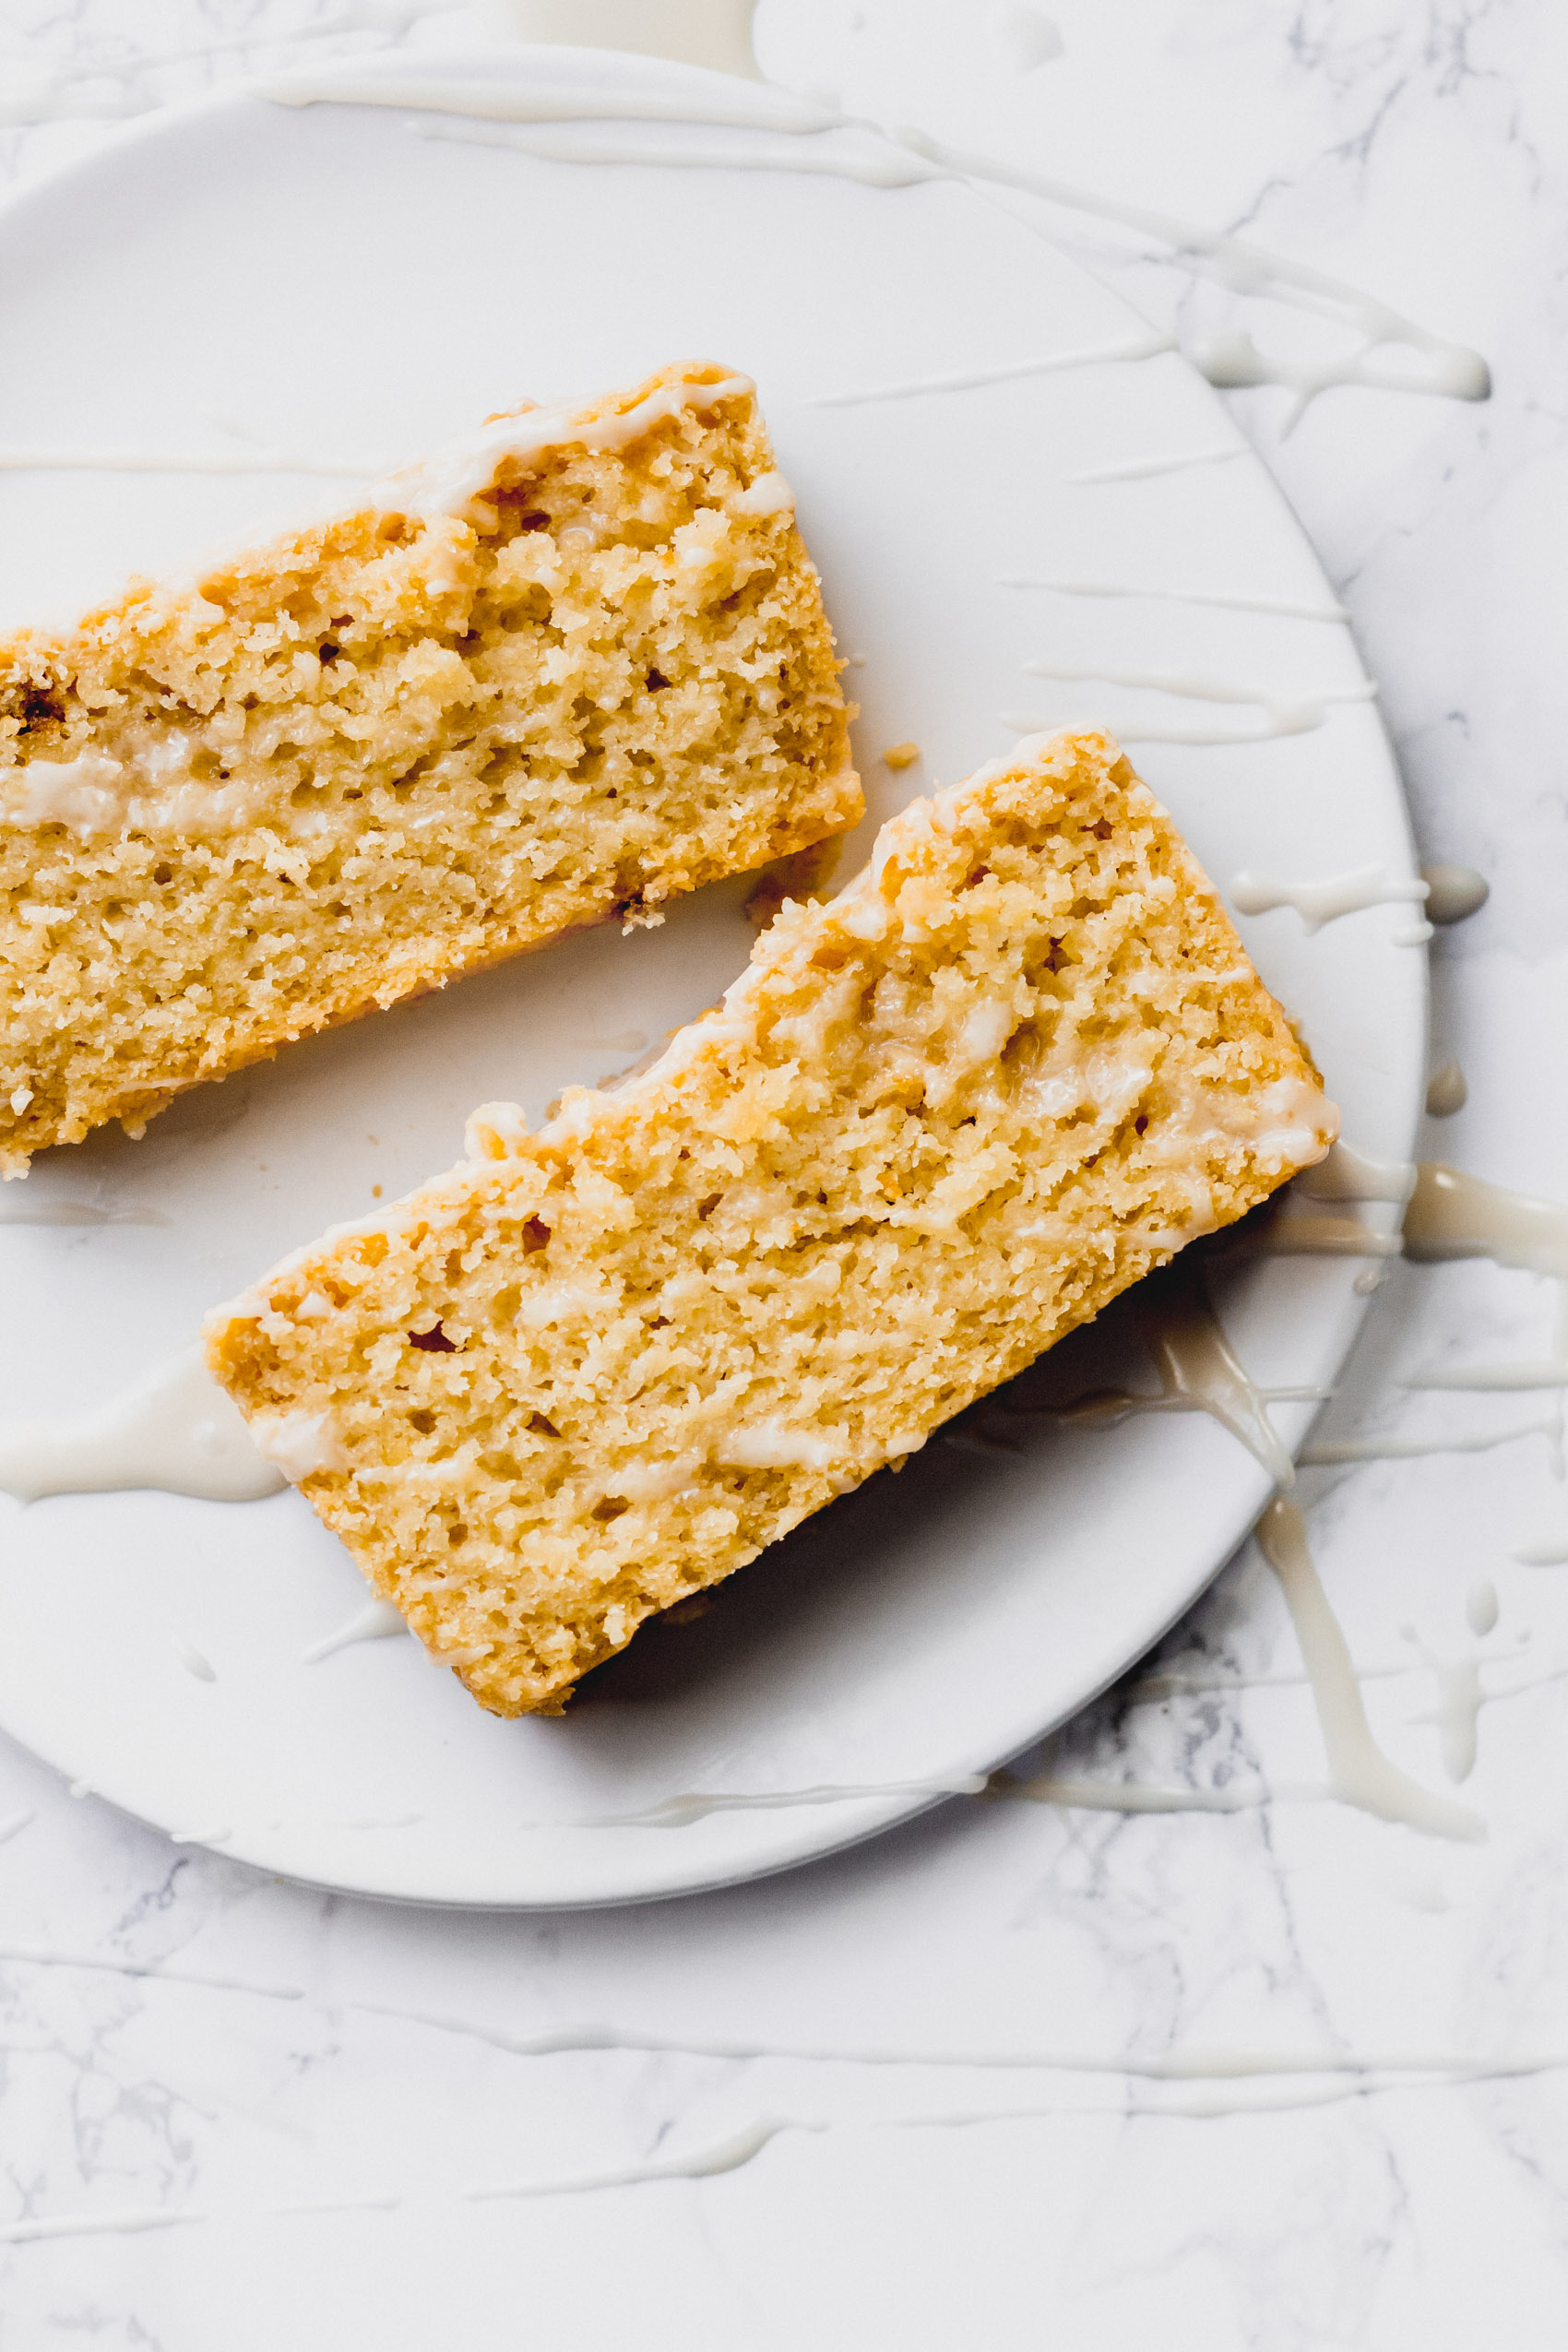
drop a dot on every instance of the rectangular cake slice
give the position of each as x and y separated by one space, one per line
570 667
940 1121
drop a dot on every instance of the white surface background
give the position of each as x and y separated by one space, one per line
1419 151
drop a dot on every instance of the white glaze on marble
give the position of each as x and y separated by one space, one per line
1454 892
1327 1453
1360 1774
1454 1214
1447 1090
1501 1378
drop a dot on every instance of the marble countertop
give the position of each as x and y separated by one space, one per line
1301 2075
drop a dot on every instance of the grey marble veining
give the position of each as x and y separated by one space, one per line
185 2044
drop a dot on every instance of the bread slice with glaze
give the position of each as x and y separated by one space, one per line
940 1121
571 667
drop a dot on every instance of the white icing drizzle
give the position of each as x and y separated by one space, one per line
1302 1235
18 1208
1137 347
769 494
679 1812
1346 1174
1193 2065
1294 714
175 1428
1429 362
879 166
303 1445
1199 1372
49 1956
84 793
123 2221
1324 902
1457 1714
1233 363
1360 1773
1144 469
1351 2072
724 2155
773 1445
1447 1090
1452 1215
153 792
1328 1453
1139 1796
1284 608
1454 892
1348 2075
1500 1377
1482 1607
1544 1555
374 1622
1391 350
764 107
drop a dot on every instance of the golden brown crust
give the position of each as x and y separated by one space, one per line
940 1122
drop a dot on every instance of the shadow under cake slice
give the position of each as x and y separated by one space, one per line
938 1123
569 669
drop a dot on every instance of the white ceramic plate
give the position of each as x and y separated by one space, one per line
327 279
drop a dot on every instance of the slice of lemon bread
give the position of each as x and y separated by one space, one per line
1021 1060
568 668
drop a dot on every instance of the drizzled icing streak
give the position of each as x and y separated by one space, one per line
377 1622
1199 1372
1360 1773
1282 715
1283 608
1324 902
174 1429
1390 350
1138 347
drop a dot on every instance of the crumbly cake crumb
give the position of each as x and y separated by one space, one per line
939 1122
566 673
